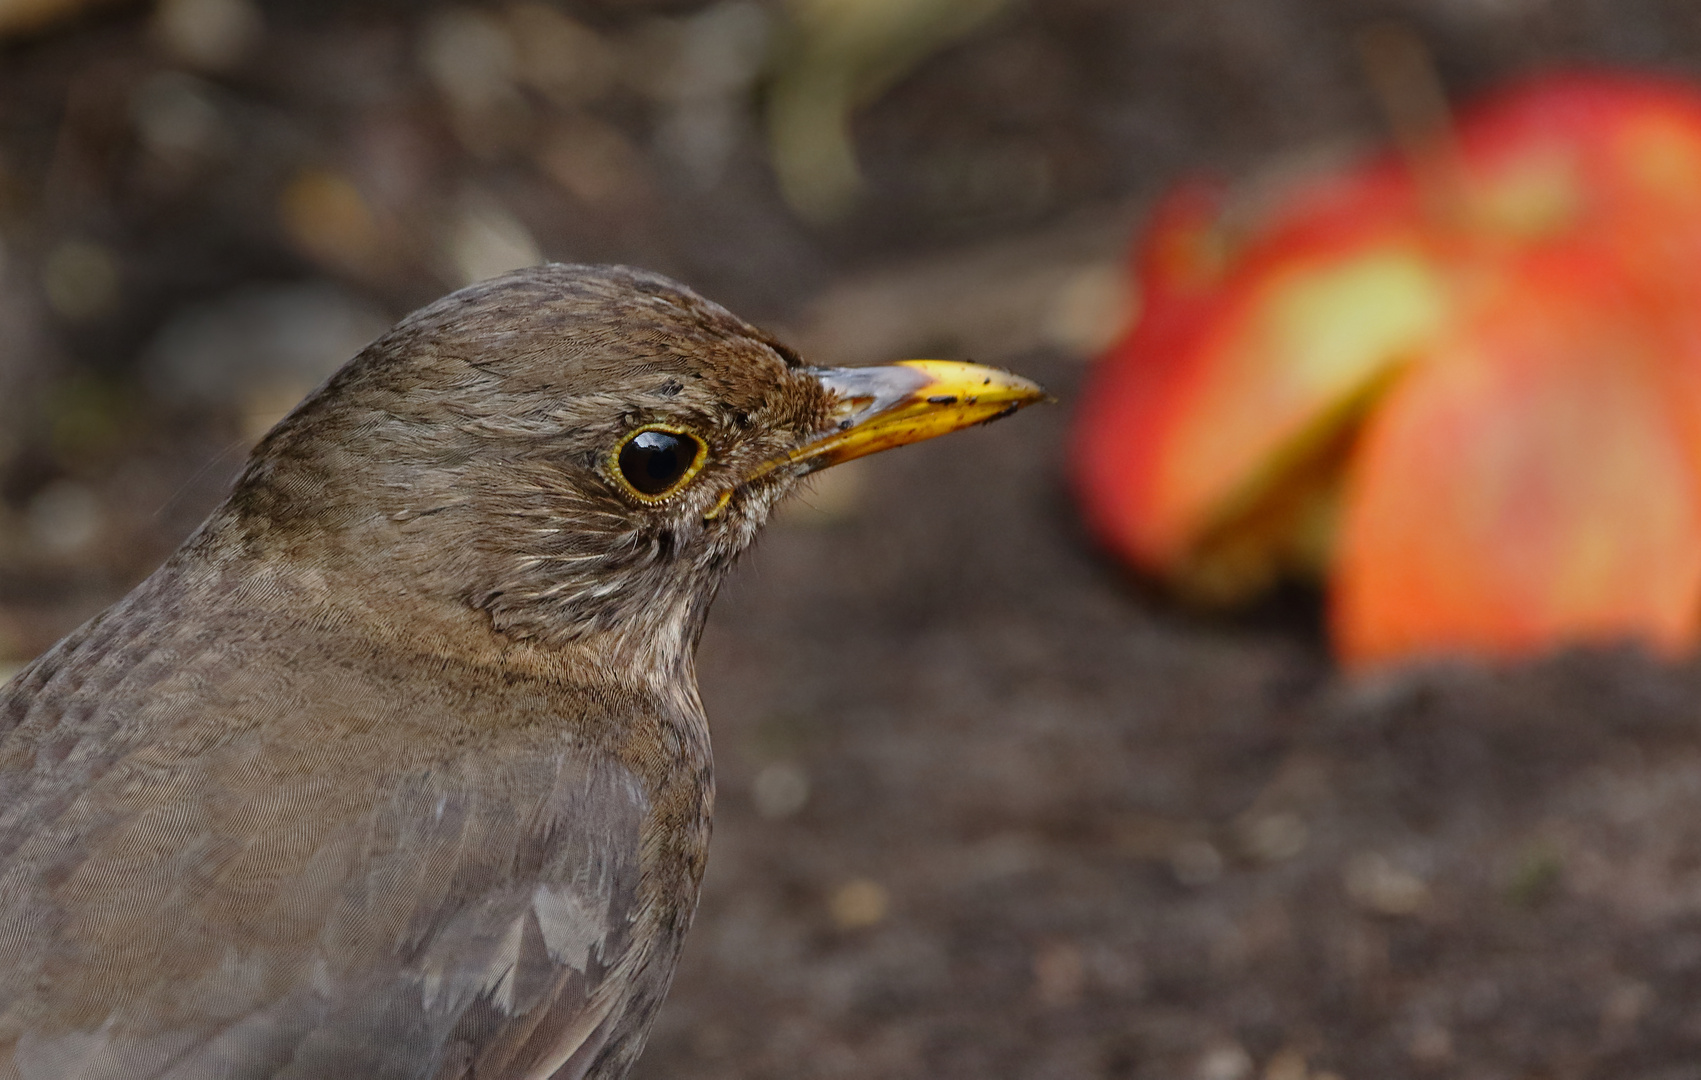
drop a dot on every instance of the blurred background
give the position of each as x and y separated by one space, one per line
989 807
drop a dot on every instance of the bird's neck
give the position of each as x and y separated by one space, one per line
415 596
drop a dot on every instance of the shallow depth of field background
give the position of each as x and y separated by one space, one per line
987 808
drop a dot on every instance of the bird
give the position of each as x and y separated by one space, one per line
397 768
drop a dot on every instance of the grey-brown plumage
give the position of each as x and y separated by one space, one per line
397 768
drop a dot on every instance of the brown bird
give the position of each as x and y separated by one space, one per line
397 767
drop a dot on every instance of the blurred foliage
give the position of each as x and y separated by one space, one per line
834 56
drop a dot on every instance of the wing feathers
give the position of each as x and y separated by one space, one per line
440 925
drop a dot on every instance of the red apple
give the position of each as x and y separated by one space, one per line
1472 404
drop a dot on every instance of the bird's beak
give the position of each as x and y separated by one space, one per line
877 408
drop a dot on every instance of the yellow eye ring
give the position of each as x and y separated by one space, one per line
655 461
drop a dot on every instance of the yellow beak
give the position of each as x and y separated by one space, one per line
877 408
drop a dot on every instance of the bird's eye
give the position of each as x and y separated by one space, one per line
657 461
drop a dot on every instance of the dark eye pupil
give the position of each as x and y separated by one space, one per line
653 461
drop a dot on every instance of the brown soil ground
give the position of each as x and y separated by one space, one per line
988 808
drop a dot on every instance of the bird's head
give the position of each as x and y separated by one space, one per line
574 450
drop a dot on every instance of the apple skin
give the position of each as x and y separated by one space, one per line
1465 391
